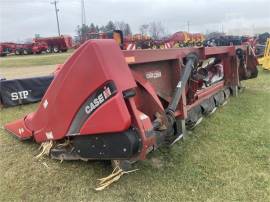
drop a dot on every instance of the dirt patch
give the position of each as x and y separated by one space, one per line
25 72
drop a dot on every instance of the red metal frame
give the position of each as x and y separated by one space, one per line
152 74
148 60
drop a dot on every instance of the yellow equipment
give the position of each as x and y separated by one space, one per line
265 60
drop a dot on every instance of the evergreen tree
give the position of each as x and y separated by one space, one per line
110 26
92 28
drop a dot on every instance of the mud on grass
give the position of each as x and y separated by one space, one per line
226 158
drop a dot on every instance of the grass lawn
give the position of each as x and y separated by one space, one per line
24 72
226 158
34 60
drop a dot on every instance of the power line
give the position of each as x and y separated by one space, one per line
56 13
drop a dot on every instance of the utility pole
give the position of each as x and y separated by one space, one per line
56 13
222 28
83 13
188 26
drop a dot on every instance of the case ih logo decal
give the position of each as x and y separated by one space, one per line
96 99
102 97
20 95
153 75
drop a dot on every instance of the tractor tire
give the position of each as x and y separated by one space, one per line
49 50
181 45
2 78
199 44
139 46
17 52
55 49
25 52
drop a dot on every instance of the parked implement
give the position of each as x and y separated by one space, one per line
185 39
30 48
265 60
7 48
120 105
22 49
117 35
177 40
56 44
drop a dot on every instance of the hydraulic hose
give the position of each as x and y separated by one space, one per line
192 61
172 134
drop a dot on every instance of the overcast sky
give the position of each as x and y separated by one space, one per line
22 19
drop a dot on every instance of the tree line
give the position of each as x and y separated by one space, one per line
153 29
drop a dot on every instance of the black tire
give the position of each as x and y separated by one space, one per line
181 44
55 49
17 52
199 44
49 50
25 52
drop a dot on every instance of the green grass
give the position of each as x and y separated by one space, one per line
226 158
34 60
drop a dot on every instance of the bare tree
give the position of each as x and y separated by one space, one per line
156 30
102 28
127 30
124 27
120 25
144 29
82 31
97 28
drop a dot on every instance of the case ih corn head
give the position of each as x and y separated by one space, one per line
119 105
